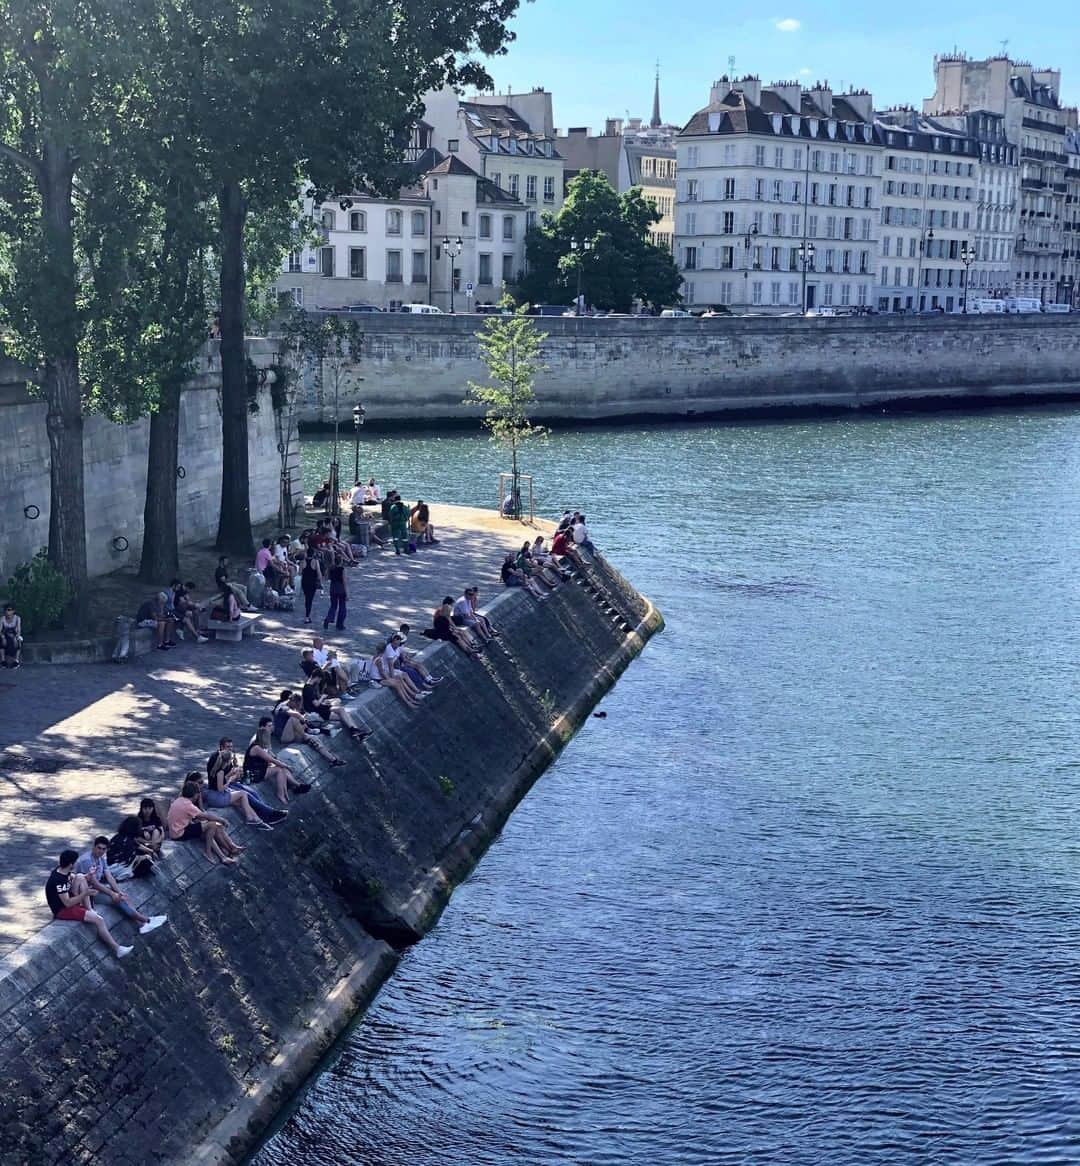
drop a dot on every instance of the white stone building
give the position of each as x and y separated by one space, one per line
778 198
1070 292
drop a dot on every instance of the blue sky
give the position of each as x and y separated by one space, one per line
597 56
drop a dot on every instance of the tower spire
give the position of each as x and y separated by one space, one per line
655 123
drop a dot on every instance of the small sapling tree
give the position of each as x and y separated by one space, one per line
510 346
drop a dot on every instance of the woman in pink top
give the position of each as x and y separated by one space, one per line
187 823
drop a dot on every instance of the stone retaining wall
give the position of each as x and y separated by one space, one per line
416 368
187 1050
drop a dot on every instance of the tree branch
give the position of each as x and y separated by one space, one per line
27 163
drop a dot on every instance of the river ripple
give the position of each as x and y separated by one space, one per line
808 894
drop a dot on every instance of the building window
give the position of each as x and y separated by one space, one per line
691 190
690 258
774 290
778 157
357 263
508 268
453 145
497 178
729 188
326 260
530 188
756 291
294 261
357 221
512 188
759 155
728 224
297 295
828 293
419 223
327 220
508 226
845 293
419 267
530 220
393 222
483 229
774 259
759 189
464 218
549 189
393 267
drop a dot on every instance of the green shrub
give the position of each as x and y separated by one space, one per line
39 592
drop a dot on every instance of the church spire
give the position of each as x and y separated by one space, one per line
655 123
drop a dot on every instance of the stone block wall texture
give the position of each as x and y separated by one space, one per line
186 1051
416 368
115 464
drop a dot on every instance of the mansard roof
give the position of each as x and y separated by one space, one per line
736 114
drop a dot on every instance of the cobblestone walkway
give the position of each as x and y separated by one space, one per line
82 743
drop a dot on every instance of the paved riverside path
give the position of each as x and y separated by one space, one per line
113 734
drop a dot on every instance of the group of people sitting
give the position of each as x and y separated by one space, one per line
171 614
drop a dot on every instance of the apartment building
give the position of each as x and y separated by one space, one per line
1070 291
1028 100
946 214
369 251
778 198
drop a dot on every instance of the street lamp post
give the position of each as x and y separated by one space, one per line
748 239
453 248
967 258
357 420
924 243
579 247
806 258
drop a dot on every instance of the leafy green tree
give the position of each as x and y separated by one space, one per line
511 347
614 257
327 91
74 81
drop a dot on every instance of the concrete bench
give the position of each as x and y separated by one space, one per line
233 630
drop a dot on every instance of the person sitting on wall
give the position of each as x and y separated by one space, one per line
187 823
533 570
462 616
273 572
294 729
442 628
417 674
317 699
68 896
352 555
371 493
94 867
224 607
223 788
261 765
153 613
385 675
566 521
581 535
486 626
225 762
11 639
562 547
407 659
321 496
546 559
151 826
186 610
512 577
223 582
420 522
129 856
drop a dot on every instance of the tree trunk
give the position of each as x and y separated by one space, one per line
63 395
234 524
160 561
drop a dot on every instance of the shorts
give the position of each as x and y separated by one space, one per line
72 914
147 623
459 621
515 582
217 799
192 832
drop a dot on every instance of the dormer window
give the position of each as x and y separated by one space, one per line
831 127
813 123
777 123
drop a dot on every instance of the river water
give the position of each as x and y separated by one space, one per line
809 893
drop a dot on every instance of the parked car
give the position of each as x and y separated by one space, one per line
421 309
361 308
674 314
551 310
821 312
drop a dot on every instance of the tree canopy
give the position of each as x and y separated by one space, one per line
604 236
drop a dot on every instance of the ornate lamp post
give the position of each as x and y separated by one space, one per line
452 248
748 240
358 414
924 246
579 247
967 258
806 258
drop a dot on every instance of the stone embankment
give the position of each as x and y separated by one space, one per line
415 367
186 1051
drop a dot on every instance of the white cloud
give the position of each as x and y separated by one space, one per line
788 24
804 72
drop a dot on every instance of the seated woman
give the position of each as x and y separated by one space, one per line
562 547
224 607
512 577
11 638
316 697
442 628
420 522
151 827
128 850
186 609
222 791
371 492
385 675
260 764
546 559
187 823
529 567
294 730
343 540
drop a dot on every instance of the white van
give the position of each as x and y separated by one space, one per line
421 309
1023 304
1057 309
987 307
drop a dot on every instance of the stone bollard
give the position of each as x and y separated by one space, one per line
122 632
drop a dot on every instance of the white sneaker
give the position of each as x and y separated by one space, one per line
203 639
152 924
123 952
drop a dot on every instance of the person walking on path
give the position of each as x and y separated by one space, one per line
310 582
399 524
339 596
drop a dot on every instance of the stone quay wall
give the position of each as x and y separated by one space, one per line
185 1052
415 368
115 464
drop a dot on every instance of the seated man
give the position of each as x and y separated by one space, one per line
407 659
345 673
224 771
581 535
472 594
154 613
186 610
94 867
290 714
68 897
371 492
187 823
463 616
223 582
400 661
317 699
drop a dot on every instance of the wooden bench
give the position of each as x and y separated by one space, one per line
233 630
